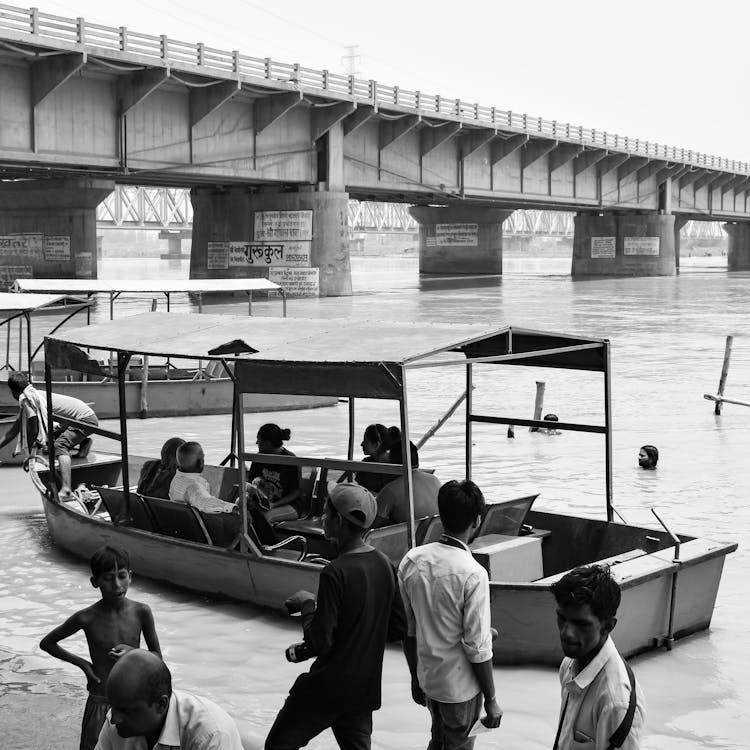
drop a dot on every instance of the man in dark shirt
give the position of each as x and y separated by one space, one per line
358 609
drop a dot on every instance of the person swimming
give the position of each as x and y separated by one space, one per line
648 457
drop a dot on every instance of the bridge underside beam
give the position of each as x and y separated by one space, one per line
270 109
49 73
135 87
563 154
690 177
588 159
535 150
432 137
503 148
611 163
204 101
324 118
472 141
631 165
359 117
648 170
392 131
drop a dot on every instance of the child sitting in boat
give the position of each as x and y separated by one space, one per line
112 626
189 487
157 475
276 486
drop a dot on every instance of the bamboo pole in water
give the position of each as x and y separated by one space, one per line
724 373
538 403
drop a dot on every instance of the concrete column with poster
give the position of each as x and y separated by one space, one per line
298 239
460 239
626 244
48 228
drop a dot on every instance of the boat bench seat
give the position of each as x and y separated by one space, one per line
505 518
392 541
114 502
630 554
176 519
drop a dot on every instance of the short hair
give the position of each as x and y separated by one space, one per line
158 683
378 433
592 585
652 452
108 558
395 454
274 434
459 504
18 383
187 453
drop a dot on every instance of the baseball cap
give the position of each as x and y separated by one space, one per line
354 503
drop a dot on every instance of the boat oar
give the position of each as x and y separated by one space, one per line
721 400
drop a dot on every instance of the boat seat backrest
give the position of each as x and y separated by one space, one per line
176 519
223 528
430 529
114 501
505 518
307 487
392 541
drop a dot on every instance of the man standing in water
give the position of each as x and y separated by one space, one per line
33 427
602 704
449 640
358 609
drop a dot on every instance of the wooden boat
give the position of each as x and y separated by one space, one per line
669 582
159 390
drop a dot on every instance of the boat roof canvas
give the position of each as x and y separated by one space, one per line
324 356
18 303
144 286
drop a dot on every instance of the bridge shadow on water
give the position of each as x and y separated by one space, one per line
432 282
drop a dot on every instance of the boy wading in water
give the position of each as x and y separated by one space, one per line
112 626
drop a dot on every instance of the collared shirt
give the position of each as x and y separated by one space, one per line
192 723
447 602
193 489
597 700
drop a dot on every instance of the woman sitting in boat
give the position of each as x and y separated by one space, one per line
277 486
157 475
375 445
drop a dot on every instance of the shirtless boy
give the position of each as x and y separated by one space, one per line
112 626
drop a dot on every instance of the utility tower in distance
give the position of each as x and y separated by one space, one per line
351 60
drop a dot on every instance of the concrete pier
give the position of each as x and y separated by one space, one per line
738 254
627 244
460 239
48 228
298 239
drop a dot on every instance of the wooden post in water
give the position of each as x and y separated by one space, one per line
538 403
724 373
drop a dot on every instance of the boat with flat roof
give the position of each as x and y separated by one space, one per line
669 581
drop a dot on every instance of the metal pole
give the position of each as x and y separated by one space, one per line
608 432
111 305
50 435
406 461
242 476
249 303
669 638
468 430
144 387
123 358
28 341
350 448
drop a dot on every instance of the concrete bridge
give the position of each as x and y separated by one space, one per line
273 152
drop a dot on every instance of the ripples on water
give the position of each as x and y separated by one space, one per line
667 346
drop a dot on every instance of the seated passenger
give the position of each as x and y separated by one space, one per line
375 445
392 500
276 485
157 475
189 487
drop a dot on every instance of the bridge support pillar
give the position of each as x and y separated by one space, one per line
624 245
298 239
48 228
460 239
738 254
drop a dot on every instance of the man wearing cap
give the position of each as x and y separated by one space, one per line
358 609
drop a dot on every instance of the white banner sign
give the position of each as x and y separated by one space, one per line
641 245
57 248
282 226
273 254
218 256
297 282
457 234
603 247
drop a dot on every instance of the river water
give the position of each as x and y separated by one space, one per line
667 347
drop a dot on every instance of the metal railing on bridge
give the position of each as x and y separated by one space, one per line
33 26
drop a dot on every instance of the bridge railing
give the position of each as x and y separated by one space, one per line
44 28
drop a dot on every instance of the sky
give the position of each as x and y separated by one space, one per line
663 71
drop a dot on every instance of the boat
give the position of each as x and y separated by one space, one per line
669 582
158 388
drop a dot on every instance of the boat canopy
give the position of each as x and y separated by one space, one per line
22 303
325 356
143 286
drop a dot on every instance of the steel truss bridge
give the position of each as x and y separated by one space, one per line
169 209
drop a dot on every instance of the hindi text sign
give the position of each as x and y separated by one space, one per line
603 247
466 235
641 245
282 226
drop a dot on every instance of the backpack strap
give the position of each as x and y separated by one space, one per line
621 733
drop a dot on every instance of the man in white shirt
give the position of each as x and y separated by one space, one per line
602 703
147 714
448 646
189 487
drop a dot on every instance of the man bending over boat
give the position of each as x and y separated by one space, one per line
602 704
32 425
148 713
190 487
358 609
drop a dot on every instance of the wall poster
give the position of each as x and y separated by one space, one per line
297 282
281 226
457 234
292 253
641 245
217 256
57 248
603 247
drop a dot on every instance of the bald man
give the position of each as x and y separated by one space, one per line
148 715
189 486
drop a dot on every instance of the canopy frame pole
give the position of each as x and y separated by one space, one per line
232 455
123 359
200 302
249 303
50 432
350 447
242 473
28 342
608 431
20 342
60 325
469 425
406 461
7 365
283 302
